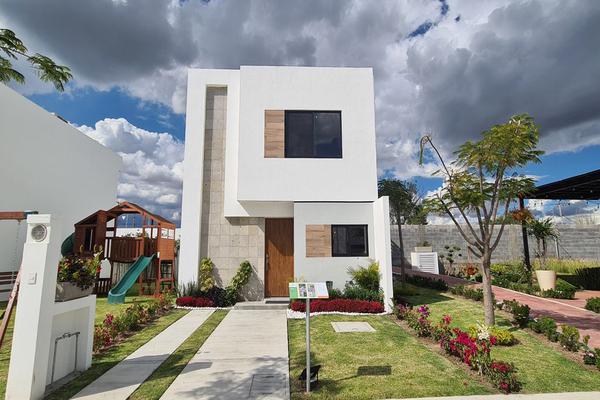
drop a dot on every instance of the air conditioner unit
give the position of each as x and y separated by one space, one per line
425 262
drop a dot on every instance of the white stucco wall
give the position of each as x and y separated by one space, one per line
48 166
349 90
329 268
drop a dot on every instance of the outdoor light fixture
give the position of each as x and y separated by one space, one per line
39 232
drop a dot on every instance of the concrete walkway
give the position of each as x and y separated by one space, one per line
541 396
246 357
123 379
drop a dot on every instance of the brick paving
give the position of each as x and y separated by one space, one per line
562 311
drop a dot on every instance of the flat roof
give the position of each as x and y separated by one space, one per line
581 187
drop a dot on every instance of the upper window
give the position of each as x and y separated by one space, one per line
313 134
349 241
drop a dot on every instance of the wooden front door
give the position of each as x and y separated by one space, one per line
279 256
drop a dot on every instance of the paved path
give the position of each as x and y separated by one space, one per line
123 379
541 396
581 297
586 321
246 357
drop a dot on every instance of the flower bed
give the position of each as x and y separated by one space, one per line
343 305
473 351
190 301
114 328
568 337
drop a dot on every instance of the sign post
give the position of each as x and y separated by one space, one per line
302 290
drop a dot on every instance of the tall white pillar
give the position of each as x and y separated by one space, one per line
33 322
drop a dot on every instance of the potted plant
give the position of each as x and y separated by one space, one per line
77 276
542 230
423 247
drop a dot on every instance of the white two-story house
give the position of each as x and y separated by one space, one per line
280 169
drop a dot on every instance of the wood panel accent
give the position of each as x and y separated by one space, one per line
274 134
318 240
279 256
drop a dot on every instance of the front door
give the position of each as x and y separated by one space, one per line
279 256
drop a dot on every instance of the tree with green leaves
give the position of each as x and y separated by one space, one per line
47 70
405 207
481 184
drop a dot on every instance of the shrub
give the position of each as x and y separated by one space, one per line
423 281
442 331
509 273
189 301
502 336
240 279
355 292
206 280
336 294
593 304
563 290
589 278
82 271
520 312
546 326
366 277
418 319
341 305
503 376
472 351
569 338
402 311
468 292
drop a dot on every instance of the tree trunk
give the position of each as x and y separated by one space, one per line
488 297
401 245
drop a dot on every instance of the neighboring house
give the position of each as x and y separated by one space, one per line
48 166
280 169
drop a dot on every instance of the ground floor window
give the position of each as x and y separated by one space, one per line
349 241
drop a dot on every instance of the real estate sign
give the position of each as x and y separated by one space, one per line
308 290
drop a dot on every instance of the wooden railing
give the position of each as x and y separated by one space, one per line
102 286
127 249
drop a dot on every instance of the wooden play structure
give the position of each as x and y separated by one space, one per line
148 257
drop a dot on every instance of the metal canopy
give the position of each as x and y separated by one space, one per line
581 187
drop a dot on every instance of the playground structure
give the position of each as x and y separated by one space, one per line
148 258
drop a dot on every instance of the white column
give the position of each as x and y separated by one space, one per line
33 322
383 248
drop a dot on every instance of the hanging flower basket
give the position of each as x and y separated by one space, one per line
77 276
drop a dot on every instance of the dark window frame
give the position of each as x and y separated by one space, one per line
313 112
365 227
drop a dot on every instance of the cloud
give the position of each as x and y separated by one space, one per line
476 64
152 164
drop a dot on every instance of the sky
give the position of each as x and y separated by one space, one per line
449 68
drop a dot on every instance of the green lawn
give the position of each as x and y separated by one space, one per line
162 378
541 368
102 307
385 364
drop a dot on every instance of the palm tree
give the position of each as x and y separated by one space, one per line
405 207
542 230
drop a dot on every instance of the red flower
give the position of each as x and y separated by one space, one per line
342 305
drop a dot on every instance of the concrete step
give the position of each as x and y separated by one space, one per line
259 305
277 300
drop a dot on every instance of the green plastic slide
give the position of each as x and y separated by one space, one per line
117 293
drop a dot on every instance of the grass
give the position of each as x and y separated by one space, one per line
385 364
566 266
103 362
164 376
102 307
5 351
541 368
